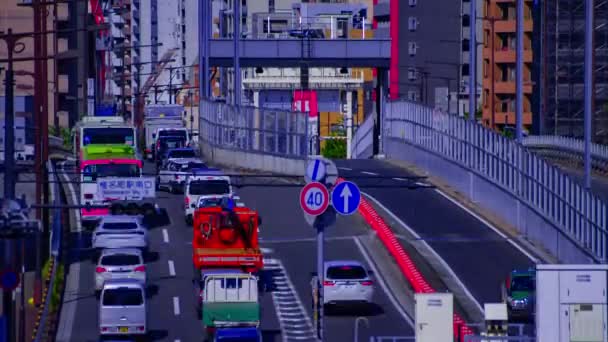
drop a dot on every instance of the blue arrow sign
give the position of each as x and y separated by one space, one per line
346 198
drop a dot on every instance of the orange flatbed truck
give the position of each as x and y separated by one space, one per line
226 237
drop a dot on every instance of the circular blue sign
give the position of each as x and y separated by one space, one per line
345 198
9 280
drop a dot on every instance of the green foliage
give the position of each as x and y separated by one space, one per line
66 135
334 148
57 285
478 114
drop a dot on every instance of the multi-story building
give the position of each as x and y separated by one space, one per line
122 55
562 99
499 64
430 61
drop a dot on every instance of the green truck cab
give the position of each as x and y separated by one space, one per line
228 299
519 293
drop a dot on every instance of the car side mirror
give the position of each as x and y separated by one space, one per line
153 135
370 273
192 205
313 274
259 220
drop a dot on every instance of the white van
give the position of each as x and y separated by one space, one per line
122 308
205 184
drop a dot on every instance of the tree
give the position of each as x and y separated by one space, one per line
334 148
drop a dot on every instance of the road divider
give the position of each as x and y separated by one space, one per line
403 260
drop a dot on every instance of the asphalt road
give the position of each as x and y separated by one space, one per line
289 249
478 256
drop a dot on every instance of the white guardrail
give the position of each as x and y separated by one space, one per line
566 144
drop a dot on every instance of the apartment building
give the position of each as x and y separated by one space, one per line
430 62
562 96
499 65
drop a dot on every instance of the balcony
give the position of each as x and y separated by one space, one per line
507 87
506 26
506 55
508 118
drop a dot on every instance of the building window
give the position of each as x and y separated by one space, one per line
466 20
465 69
412 74
412 24
271 6
412 48
413 3
465 45
486 66
413 95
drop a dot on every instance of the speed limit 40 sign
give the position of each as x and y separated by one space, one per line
314 198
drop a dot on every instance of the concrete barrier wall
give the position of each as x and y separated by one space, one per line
252 161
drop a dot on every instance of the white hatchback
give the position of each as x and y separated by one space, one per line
120 231
120 263
347 282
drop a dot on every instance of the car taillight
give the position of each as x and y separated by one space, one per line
140 328
100 269
104 329
187 200
367 283
328 283
176 176
141 268
88 196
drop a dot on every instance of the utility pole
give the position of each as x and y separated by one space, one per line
237 50
473 61
519 72
589 26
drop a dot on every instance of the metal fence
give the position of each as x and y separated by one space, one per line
254 130
566 144
363 139
42 329
577 213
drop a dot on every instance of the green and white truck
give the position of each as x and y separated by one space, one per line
228 299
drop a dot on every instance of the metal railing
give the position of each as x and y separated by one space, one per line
567 144
575 212
363 139
41 332
254 130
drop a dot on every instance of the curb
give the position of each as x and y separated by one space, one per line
403 260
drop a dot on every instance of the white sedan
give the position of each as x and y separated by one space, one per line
120 231
120 263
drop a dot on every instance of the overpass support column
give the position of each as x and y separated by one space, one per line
256 120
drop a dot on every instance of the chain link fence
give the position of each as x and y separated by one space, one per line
578 215
254 130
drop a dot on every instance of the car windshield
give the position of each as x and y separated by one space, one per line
168 143
209 187
120 225
108 135
192 166
346 272
181 154
123 297
92 172
172 133
523 284
120 260
210 202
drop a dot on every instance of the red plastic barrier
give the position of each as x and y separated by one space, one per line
405 263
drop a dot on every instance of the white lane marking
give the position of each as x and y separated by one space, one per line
421 184
489 225
177 341
266 250
426 245
399 179
171 268
286 311
72 291
382 283
345 168
369 173
176 306
165 235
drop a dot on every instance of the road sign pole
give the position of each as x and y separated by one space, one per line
320 277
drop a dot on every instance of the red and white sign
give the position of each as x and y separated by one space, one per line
314 198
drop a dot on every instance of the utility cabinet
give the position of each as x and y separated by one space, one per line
434 317
573 297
